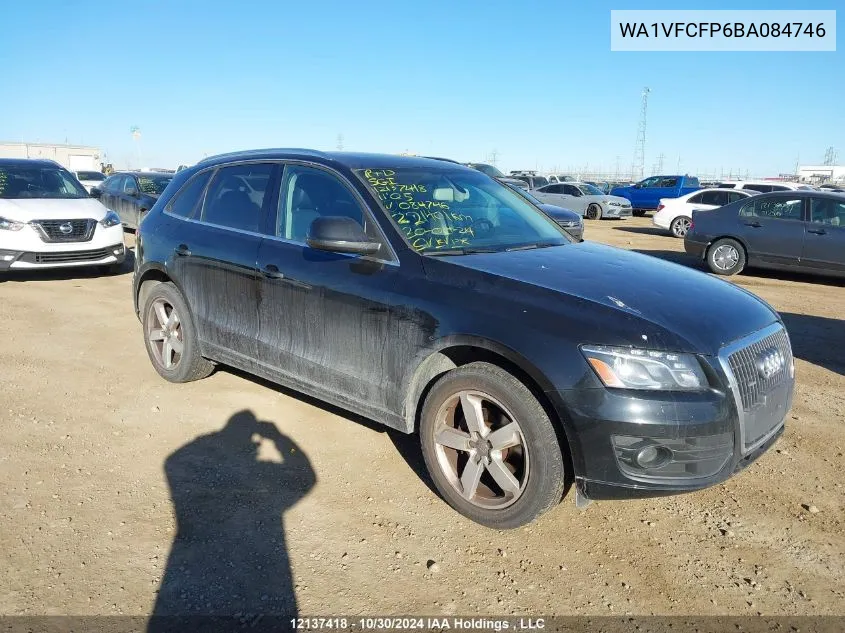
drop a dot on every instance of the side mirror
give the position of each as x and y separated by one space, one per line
339 234
95 192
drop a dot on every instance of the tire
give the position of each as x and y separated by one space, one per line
185 365
530 452
726 257
639 213
593 212
680 226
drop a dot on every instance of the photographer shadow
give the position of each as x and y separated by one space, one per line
229 558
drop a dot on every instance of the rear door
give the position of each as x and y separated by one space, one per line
109 190
824 244
550 194
772 228
215 261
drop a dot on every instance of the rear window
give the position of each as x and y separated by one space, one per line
691 181
90 175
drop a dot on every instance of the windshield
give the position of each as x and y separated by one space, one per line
488 170
459 211
154 184
591 190
38 182
525 194
90 175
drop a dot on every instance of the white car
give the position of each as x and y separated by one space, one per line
585 199
90 179
764 186
675 214
47 220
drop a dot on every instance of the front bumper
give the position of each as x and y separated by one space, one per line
26 250
609 211
700 438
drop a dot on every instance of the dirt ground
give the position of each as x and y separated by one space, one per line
99 455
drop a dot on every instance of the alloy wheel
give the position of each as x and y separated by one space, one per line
680 226
481 450
725 257
164 332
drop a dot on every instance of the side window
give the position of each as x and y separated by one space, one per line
309 193
691 181
668 182
759 188
114 183
733 196
552 189
779 188
129 184
186 201
827 211
717 198
651 182
571 190
236 196
779 208
697 199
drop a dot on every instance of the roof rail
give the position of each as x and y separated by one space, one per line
253 152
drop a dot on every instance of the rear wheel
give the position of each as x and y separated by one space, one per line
490 447
593 212
726 257
680 226
170 338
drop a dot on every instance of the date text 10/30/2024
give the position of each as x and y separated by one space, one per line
417 624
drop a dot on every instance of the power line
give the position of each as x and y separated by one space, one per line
639 147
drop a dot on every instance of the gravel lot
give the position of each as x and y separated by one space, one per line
99 455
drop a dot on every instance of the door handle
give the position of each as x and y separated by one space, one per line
182 250
817 231
755 225
272 272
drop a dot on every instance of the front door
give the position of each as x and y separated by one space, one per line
773 229
824 242
325 318
215 262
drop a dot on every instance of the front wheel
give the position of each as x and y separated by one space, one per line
490 447
680 226
593 212
726 257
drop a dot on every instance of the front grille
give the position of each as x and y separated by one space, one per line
762 370
52 230
753 386
66 257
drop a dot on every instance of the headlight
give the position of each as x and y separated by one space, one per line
627 368
11 225
111 219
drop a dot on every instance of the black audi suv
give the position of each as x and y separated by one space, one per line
431 298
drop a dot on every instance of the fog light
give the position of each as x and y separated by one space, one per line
653 456
118 250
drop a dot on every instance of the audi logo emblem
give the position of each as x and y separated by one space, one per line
770 362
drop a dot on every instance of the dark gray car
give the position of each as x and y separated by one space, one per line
569 220
131 194
787 230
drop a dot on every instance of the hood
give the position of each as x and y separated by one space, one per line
26 209
559 213
656 303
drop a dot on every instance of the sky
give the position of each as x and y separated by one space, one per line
533 80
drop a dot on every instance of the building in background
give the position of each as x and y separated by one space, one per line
819 174
73 157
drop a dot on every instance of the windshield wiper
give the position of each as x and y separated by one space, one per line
460 251
528 247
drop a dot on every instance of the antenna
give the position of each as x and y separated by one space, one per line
494 157
639 147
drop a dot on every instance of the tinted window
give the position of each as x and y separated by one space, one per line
758 188
696 199
826 211
651 182
779 208
779 188
236 195
733 196
726 185
307 194
717 198
572 190
691 181
668 182
129 184
552 189
539 181
186 201
90 175
113 183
